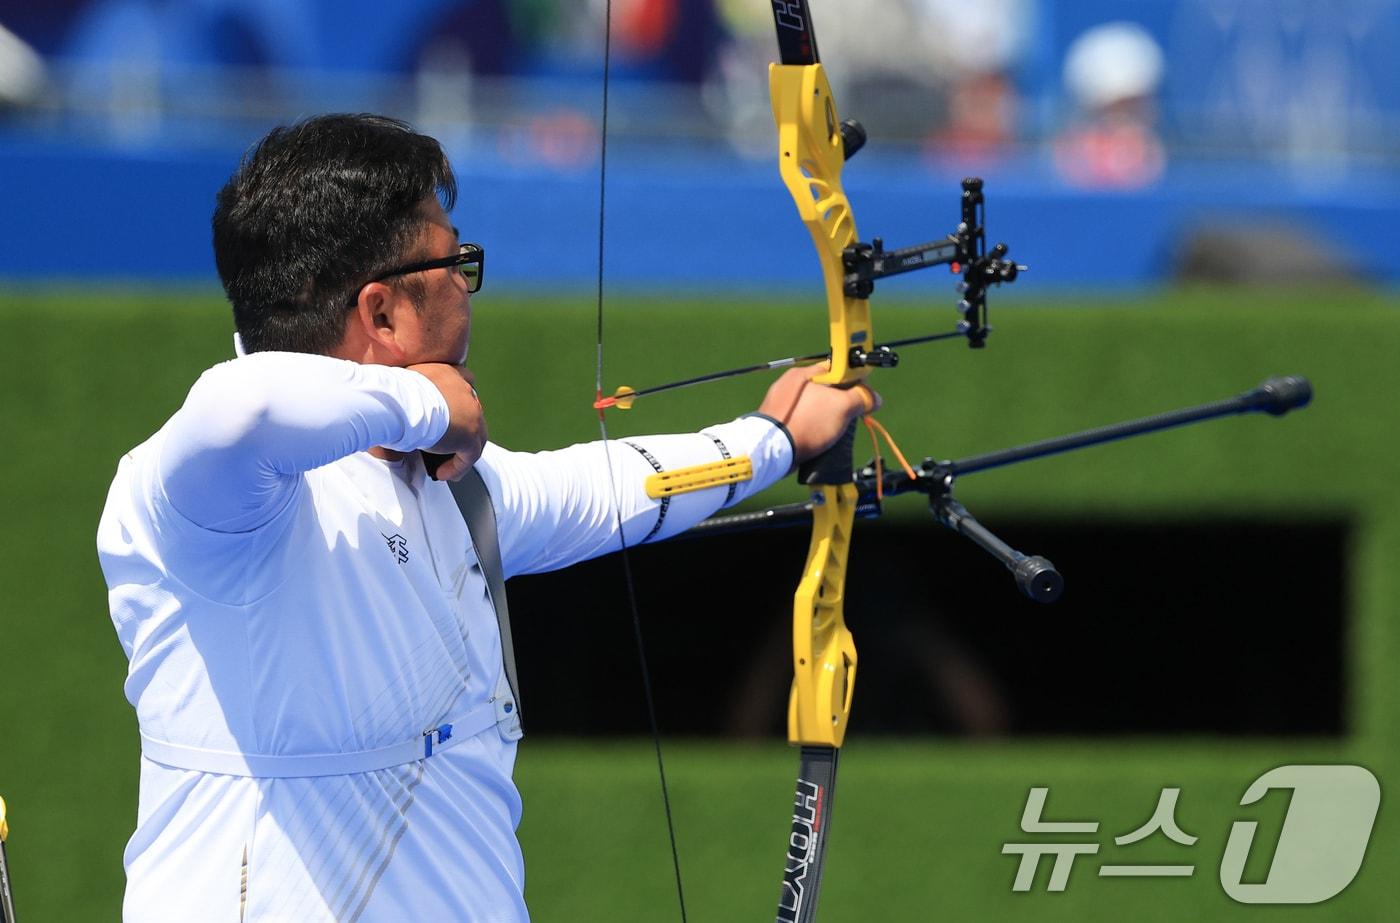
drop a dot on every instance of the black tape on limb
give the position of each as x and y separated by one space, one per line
834 466
811 827
7 903
797 43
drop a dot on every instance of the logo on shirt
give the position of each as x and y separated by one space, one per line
398 546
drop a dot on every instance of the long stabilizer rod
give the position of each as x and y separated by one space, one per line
1276 397
1035 576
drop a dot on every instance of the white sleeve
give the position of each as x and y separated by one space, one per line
558 508
232 456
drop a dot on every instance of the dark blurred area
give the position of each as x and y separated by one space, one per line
1250 640
1131 130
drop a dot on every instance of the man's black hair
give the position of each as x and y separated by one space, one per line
314 211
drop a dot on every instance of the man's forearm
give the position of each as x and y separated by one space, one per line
558 508
251 425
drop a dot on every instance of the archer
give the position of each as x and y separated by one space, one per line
319 652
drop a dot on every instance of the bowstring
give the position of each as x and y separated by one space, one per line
612 479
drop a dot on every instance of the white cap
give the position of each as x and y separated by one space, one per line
1112 62
21 70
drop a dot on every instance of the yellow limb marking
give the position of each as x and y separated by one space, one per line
699 477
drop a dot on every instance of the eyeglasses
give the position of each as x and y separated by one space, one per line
469 260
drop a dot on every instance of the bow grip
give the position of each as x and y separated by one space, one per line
834 466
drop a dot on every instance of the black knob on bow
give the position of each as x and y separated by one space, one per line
852 137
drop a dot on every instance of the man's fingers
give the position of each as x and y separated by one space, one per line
454 469
448 467
869 397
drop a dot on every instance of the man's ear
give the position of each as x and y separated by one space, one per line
376 318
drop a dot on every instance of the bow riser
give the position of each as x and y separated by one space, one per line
811 153
823 651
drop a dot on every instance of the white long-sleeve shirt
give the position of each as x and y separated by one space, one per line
280 592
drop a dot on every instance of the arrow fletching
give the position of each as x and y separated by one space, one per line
622 399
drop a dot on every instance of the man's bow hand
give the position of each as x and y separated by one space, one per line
815 415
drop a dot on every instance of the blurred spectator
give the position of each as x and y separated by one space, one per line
935 71
1112 73
672 41
979 46
21 71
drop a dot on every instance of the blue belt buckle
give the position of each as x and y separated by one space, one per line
437 735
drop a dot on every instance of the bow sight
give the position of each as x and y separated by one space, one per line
965 250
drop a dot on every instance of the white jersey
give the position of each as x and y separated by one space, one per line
282 595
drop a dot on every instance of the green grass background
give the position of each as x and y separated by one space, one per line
919 823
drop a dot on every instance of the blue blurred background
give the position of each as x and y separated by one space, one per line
1158 139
